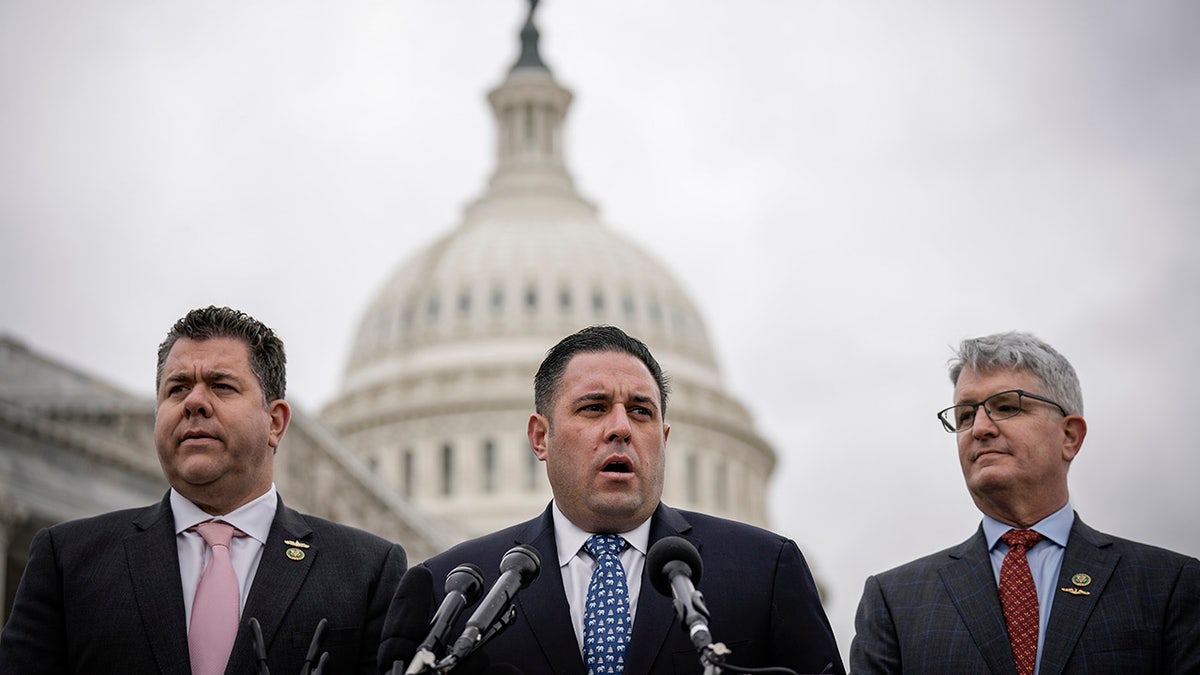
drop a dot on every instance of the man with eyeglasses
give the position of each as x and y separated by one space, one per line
1035 590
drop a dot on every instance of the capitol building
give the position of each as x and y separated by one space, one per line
424 442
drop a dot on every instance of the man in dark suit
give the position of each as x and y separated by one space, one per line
600 400
1035 590
116 593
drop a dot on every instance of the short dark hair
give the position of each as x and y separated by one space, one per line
267 359
591 340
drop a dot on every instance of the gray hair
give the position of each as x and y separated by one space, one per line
1025 352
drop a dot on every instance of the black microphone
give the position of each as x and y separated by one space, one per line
260 647
314 646
463 586
674 567
519 566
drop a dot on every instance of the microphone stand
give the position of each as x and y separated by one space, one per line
313 647
260 647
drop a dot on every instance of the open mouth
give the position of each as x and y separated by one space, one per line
617 466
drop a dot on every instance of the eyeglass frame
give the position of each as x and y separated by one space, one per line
1021 395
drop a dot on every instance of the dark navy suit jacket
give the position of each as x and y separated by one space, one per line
103 595
757 586
1139 613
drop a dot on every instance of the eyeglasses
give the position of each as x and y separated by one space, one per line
998 407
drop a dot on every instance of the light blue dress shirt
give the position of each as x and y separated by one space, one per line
1045 560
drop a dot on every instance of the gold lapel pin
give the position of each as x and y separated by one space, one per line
295 554
1075 591
297 544
1081 579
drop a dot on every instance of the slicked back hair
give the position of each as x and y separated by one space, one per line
1023 352
594 339
267 359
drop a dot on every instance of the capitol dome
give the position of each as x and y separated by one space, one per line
438 386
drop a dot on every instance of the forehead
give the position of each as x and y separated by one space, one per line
611 372
974 386
227 354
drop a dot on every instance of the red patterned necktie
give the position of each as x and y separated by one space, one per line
216 607
1018 597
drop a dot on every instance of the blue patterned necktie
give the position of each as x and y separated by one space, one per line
606 618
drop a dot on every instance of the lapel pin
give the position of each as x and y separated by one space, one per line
1081 579
297 544
1075 591
295 554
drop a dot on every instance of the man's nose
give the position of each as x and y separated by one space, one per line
983 424
619 429
197 402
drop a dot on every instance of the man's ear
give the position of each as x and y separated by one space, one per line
1074 430
280 413
537 430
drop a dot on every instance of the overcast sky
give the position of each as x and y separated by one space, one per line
846 189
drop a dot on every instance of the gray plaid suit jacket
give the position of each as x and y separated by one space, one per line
941 613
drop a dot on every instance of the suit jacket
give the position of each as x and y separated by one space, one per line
103 595
759 591
941 613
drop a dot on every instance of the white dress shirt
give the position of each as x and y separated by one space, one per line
577 565
254 519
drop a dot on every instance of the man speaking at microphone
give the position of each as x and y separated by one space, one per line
169 589
599 424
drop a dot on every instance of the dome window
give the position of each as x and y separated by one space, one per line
531 298
489 466
407 477
564 299
464 303
447 469
498 299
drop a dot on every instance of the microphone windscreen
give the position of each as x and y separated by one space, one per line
408 617
524 560
668 550
467 579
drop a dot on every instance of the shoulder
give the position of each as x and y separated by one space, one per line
483 548
1134 552
487 550
106 525
706 525
926 568
735 542
348 540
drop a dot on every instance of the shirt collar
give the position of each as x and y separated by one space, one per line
254 518
569 538
1056 527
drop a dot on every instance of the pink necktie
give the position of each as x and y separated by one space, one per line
1018 598
216 607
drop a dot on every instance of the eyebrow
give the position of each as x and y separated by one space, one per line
640 399
210 376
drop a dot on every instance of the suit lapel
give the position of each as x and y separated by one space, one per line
971 583
276 584
543 605
655 616
1088 552
153 559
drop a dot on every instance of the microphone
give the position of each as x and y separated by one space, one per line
463 586
314 646
260 647
674 567
519 566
